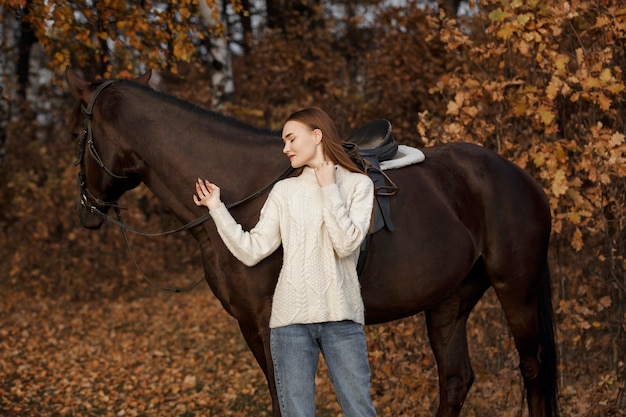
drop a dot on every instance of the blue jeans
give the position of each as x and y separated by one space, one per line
295 353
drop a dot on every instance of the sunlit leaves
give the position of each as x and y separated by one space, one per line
118 35
550 96
616 140
546 115
559 183
498 15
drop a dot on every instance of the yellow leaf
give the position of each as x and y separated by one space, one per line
554 87
532 37
573 218
605 178
604 102
605 76
579 55
566 90
616 139
498 15
577 240
590 83
453 128
559 184
507 31
547 116
561 61
453 108
471 84
472 111
560 153
523 19
539 159
616 88
519 108
524 47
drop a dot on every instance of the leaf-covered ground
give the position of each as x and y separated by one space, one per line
151 353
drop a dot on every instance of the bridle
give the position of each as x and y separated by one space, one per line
88 200
86 142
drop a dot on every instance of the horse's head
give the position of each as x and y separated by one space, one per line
107 168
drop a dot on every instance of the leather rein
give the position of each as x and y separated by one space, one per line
89 201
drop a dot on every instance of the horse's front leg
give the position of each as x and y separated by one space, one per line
258 339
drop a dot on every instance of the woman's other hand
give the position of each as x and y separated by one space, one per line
207 194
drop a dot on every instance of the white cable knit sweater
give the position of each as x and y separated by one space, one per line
321 230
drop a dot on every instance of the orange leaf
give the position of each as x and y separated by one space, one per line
577 242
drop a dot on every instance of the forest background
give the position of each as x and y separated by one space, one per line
541 82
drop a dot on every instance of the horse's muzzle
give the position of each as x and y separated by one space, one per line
89 219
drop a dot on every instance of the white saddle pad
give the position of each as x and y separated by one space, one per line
406 156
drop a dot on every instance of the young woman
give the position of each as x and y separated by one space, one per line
320 217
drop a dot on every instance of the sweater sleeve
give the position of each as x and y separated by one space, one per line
250 247
348 221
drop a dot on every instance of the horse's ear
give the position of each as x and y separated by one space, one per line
144 78
78 87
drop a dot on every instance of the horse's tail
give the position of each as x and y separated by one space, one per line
548 351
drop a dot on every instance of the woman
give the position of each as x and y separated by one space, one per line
320 217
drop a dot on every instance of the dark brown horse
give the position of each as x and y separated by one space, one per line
466 219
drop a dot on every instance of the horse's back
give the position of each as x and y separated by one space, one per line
504 207
462 203
484 188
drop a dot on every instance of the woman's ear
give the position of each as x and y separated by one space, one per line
317 135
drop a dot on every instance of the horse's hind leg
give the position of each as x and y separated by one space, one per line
447 333
528 309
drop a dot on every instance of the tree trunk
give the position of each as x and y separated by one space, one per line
450 6
279 12
25 43
222 87
246 25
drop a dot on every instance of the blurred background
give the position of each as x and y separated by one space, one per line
540 82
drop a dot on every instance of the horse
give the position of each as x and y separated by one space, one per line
466 220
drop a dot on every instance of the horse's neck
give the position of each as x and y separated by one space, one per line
180 145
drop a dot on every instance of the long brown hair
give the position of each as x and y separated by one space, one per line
332 144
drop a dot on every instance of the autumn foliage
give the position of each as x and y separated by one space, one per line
541 82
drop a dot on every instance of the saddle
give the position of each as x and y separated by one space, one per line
368 146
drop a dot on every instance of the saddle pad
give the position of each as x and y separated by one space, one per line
406 156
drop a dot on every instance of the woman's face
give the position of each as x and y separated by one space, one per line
302 145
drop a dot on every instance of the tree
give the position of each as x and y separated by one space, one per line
26 40
116 37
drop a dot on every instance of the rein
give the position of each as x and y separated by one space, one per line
86 142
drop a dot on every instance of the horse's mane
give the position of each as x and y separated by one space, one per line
193 108
177 102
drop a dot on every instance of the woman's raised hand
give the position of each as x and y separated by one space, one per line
207 194
325 173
